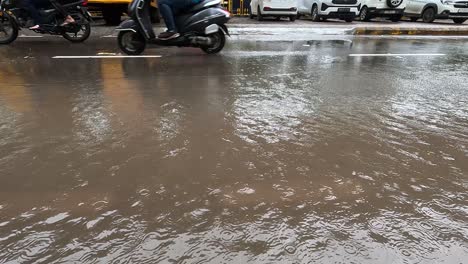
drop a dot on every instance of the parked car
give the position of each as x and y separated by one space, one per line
322 9
393 9
429 10
273 8
112 10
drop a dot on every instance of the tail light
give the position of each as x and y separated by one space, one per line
85 3
266 8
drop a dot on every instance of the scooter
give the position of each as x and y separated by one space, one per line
202 26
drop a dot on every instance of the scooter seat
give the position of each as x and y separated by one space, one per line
203 4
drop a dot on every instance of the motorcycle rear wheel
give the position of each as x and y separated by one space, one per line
131 43
219 40
78 32
8 29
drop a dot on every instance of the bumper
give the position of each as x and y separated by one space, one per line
449 14
341 12
279 11
386 12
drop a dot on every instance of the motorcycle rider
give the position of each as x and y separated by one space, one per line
31 7
167 8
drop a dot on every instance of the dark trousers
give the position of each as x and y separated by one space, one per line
168 8
32 7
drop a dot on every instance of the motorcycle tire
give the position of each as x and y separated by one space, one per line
7 20
219 42
131 43
84 27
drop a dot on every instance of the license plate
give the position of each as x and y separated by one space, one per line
463 10
343 9
390 12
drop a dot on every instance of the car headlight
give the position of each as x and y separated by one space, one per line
447 2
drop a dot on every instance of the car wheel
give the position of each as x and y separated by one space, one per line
292 18
364 14
395 19
394 3
251 16
259 14
414 19
314 13
112 15
428 15
154 16
349 20
459 20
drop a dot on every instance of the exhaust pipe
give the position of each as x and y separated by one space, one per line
201 41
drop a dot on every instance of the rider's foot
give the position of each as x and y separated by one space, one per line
35 27
68 20
168 35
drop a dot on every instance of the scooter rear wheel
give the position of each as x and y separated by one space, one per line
219 39
131 43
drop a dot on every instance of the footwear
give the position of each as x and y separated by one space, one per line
68 20
168 35
35 27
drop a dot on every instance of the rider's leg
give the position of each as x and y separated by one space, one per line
63 12
167 8
29 6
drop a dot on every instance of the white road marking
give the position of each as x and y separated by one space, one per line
105 57
24 36
397 55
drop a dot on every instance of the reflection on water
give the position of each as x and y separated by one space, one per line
271 159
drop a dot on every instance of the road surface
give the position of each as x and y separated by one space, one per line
329 150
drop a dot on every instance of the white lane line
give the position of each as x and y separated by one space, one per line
397 55
24 36
105 57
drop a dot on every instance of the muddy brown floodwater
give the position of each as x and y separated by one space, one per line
270 153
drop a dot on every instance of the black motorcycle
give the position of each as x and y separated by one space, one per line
201 26
13 17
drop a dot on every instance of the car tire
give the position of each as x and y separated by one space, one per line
395 19
459 20
112 15
364 14
292 18
259 14
251 16
349 20
394 3
414 19
314 13
154 16
429 15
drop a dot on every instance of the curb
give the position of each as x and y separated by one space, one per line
452 31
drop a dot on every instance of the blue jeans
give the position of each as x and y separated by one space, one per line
168 8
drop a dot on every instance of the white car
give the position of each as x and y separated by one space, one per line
429 10
322 9
273 8
393 9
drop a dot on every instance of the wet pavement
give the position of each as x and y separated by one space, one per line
271 152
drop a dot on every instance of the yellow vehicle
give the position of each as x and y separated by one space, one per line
112 10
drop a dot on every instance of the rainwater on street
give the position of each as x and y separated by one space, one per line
270 152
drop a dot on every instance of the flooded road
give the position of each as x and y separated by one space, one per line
272 152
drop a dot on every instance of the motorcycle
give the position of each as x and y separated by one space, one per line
13 17
201 26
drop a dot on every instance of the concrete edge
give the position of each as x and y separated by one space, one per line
412 31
